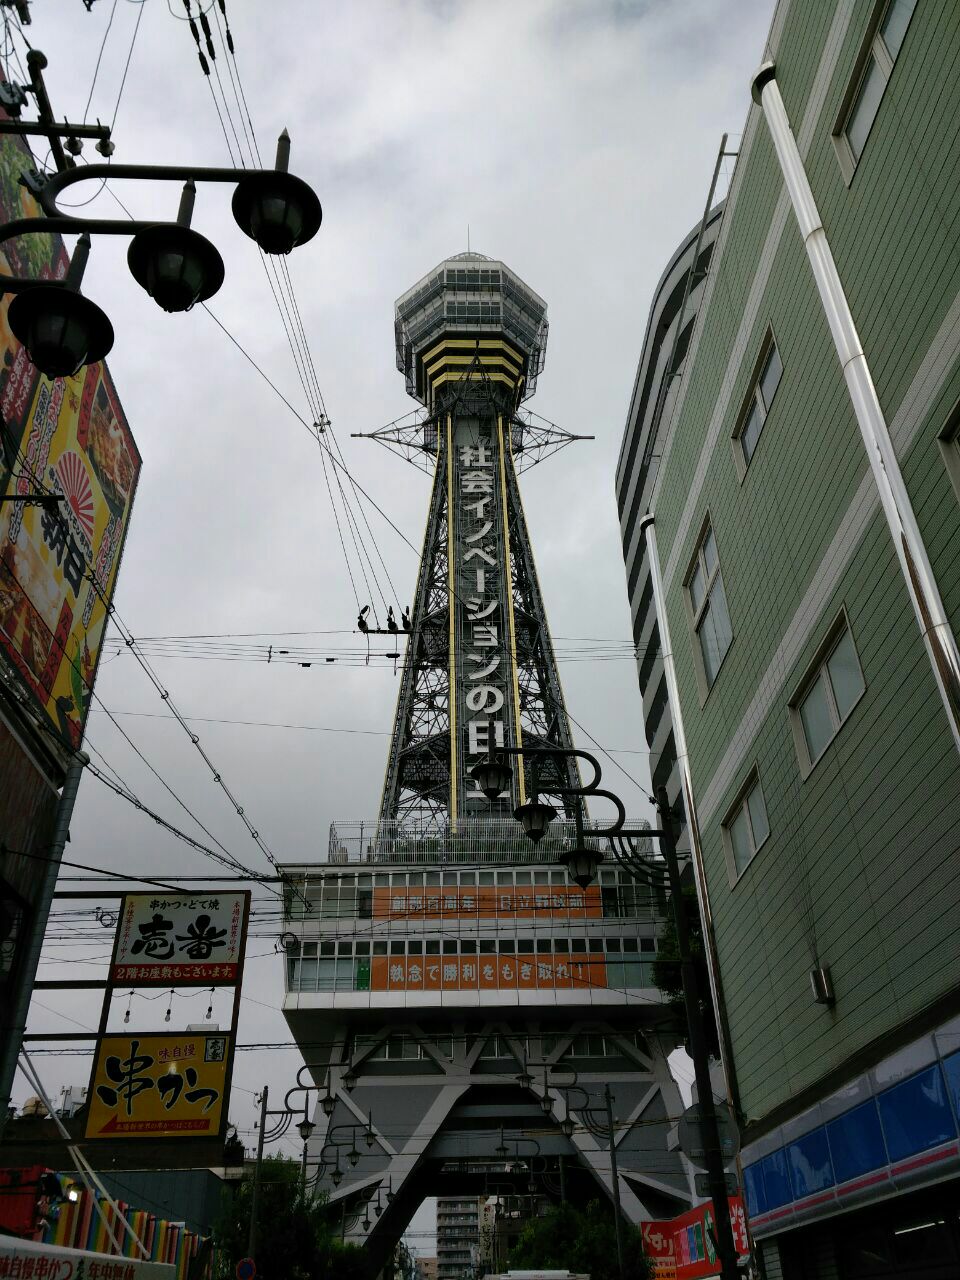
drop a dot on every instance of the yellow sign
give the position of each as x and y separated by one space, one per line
66 438
159 1086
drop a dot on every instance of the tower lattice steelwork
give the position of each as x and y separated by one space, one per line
480 671
448 985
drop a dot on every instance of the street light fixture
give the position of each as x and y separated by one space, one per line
582 866
305 1128
535 817
492 776
60 329
177 266
275 208
328 1102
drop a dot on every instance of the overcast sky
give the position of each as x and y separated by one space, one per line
576 138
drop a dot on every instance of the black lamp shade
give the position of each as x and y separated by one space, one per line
60 329
337 1176
329 1104
582 865
546 1104
276 209
177 266
305 1128
566 1127
492 777
535 817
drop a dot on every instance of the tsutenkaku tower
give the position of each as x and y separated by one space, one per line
480 672
461 1005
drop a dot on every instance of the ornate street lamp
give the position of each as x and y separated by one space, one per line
535 817
60 329
492 776
275 208
63 331
177 266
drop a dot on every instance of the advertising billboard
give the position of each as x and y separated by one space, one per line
683 1248
487 972
159 1086
180 939
489 902
66 437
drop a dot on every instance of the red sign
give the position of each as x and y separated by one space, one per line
684 1247
489 902
487 972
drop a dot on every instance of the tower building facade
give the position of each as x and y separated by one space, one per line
460 1003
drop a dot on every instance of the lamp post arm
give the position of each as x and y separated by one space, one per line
58 182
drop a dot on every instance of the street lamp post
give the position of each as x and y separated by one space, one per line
493 777
63 331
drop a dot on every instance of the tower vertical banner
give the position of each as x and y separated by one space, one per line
482 681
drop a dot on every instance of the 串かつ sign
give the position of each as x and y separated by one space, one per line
158 1086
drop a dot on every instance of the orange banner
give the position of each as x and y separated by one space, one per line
488 902
487 973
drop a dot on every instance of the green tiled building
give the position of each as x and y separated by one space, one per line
825 766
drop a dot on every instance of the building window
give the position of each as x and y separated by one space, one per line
873 71
758 402
708 605
745 827
827 695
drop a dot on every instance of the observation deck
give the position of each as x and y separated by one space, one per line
470 310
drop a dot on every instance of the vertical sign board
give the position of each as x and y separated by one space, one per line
158 1085
69 437
180 939
481 652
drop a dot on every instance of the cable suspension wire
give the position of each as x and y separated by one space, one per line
131 645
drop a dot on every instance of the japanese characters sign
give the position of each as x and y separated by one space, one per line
481 667
684 1248
159 1086
32 1260
180 939
69 438
487 972
490 902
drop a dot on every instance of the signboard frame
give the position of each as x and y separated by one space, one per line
93 1133
181 979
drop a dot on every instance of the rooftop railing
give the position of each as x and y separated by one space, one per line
472 840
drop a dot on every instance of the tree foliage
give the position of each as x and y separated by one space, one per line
299 1236
580 1240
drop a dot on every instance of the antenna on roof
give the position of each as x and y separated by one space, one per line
468 237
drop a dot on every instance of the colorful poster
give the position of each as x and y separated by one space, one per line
68 438
180 939
683 1247
489 902
159 1086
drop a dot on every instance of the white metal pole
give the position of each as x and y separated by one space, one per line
689 803
938 636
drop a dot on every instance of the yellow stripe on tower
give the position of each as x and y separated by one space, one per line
508 576
452 614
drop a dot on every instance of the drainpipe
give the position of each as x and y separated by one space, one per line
938 636
34 944
693 825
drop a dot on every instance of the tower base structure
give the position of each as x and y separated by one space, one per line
462 1020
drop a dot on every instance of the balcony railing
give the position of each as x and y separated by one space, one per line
472 840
